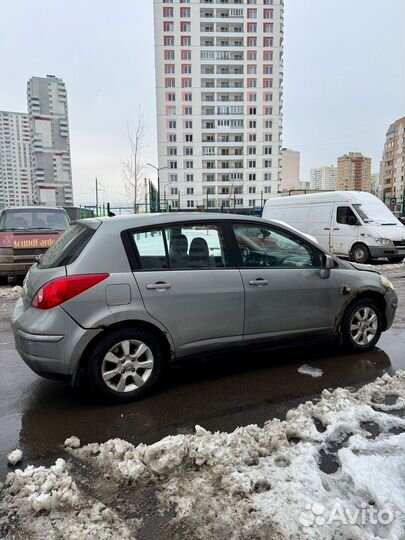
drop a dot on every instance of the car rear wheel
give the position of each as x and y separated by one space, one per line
362 325
360 254
396 259
125 364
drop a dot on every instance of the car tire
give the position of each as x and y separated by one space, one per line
396 259
125 365
362 325
360 254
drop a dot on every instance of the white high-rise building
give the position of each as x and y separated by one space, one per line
15 171
219 70
50 146
323 178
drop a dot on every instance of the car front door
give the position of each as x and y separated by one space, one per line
284 292
345 229
187 285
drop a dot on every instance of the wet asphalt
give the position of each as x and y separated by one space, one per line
219 393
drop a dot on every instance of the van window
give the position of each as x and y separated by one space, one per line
343 214
67 248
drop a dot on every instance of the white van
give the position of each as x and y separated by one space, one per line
351 224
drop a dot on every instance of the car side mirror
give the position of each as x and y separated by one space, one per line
327 264
352 220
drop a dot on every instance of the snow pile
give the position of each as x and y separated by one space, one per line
15 457
72 442
46 503
332 469
11 292
309 370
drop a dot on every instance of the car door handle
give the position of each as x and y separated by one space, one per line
336 229
326 229
258 282
158 286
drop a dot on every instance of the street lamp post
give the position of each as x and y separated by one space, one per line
157 169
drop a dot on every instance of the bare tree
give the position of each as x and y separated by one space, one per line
133 167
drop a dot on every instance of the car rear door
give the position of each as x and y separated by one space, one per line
284 293
187 284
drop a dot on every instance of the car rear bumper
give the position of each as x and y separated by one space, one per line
377 252
49 341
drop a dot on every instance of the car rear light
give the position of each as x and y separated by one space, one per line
60 290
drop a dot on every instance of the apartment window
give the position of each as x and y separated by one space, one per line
172 137
172 164
266 150
186 69
168 41
185 12
188 164
251 41
252 69
189 191
267 28
252 177
252 164
252 13
267 177
169 69
168 26
186 83
190 204
189 177
268 56
251 2
267 189
188 111
267 83
185 26
171 96
252 189
252 124
267 42
173 191
186 55
268 137
171 151
268 124
188 150
252 110
268 97
267 163
188 124
268 2
252 137
171 124
169 55
252 55
267 13
251 150
188 137
171 110
185 41
267 111
267 69
170 83
251 83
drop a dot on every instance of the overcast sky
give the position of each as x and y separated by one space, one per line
344 77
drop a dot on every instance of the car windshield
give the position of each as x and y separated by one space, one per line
34 219
371 212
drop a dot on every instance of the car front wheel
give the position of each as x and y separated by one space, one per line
125 364
362 325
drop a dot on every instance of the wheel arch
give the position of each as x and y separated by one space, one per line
376 296
164 340
357 243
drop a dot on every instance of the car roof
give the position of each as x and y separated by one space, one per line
145 220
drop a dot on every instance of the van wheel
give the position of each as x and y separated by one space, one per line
125 365
362 325
396 259
360 254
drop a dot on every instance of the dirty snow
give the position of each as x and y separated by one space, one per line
72 442
309 370
254 483
11 292
15 456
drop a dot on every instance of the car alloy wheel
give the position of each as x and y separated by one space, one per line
363 325
127 365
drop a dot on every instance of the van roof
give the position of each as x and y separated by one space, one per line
324 196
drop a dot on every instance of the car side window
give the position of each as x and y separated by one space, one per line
266 247
193 246
343 214
151 249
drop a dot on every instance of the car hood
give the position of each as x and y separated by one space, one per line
394 231
364 267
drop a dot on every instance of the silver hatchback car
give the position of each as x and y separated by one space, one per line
119 298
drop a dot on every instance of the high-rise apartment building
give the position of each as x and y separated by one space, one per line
323 178
50 146
219 101
290 170
392 186
15 171
353 172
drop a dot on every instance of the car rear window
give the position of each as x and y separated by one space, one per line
68 247
34 219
